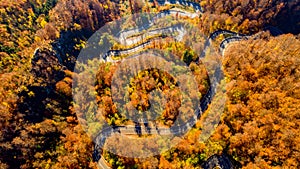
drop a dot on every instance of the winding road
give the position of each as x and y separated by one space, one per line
140 129
131 37
160 33
124 34
194 5
127 38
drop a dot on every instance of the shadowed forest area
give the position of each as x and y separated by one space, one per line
41 40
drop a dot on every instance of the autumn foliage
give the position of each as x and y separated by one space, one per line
39 44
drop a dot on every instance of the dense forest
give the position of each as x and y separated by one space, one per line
41 40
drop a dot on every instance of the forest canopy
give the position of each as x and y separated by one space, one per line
41 40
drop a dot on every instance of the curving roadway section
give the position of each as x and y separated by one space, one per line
214 35
194 5
122 35
139 129
229 40
126 38
162 33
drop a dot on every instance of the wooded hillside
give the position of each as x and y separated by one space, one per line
40 42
